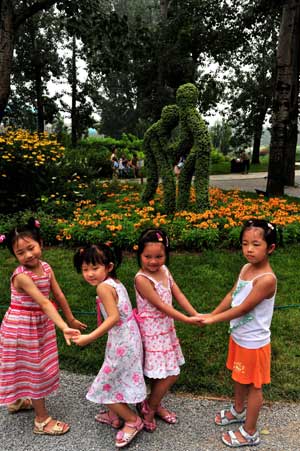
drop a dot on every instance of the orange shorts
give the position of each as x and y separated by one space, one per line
249 366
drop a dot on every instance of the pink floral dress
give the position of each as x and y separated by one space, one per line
120 378
162 351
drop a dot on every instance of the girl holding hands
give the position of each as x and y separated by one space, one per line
163 357
29 369
249 308
120 380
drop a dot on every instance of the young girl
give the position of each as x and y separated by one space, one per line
120 380
249 308
155 287
29 368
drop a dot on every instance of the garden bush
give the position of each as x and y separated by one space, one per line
26 160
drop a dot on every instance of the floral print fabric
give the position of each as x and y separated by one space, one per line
162 351
120 378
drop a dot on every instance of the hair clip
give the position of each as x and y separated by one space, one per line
159 237
2 238
270 226
37 223
108 243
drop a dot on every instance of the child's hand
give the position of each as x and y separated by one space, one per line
69 334
82 340
196 320
77 324
206 318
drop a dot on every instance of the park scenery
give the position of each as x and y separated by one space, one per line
131 142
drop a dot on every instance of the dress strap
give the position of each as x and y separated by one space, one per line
264 274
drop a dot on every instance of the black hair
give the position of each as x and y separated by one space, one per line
153 235
101 254
29 230
269 230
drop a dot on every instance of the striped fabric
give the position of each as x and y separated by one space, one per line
28 349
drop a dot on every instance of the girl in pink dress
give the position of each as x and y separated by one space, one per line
163 357
29 368
120 380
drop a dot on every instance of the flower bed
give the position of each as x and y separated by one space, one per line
122 217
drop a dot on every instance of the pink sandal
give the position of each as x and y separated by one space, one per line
124 438
145 410
168 417
108 417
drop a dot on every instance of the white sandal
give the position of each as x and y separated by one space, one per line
251 440
237 417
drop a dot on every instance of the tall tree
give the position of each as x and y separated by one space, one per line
36 62
285 104
13 13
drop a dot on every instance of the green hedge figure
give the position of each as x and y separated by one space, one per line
194 143
158 161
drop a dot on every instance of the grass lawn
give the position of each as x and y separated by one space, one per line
205 278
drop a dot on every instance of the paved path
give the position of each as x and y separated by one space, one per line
194 432
250 182
278 422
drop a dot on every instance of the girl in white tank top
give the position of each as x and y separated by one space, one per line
249 308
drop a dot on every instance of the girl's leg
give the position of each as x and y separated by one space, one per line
254 404
240 396
41 415
159 388
123 411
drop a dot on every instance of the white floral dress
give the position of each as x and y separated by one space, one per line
120 379
162 350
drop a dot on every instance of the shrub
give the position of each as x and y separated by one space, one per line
26 160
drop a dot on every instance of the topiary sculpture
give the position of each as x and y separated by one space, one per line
158 161
194 143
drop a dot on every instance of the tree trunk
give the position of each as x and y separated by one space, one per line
39 100
285 103
260 118
74 116
7 36
9 24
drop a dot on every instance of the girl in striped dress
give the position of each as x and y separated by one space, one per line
29 368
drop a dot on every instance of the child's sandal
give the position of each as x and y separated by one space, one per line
237 417
250 440
166 415
145 410
20 404
124 438
59 428
107 417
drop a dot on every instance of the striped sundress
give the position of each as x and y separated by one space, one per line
28 349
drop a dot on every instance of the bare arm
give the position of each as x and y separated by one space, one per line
147 291
263 288
182 300
61 299
109 299
24 283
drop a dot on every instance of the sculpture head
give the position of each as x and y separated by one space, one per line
170 115
187 95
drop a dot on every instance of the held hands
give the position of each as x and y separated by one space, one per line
82 340
195 320
69 334
205 318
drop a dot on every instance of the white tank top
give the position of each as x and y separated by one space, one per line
252 330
